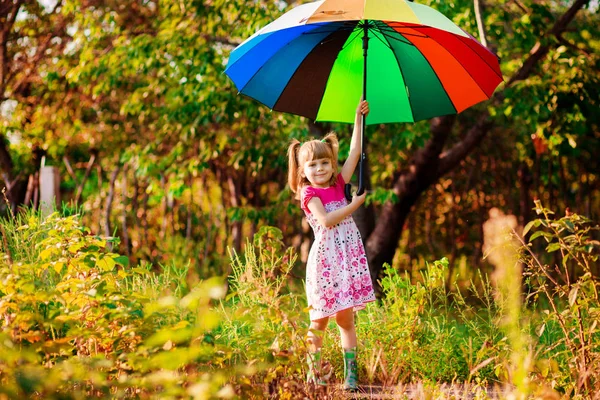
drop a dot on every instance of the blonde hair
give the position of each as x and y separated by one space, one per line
299 153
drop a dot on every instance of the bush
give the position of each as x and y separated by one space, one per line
78 322
565 295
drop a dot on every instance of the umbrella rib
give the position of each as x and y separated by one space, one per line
333 29
387 36
379 37
399 39
388 28
356 33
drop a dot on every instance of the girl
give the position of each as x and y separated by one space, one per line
337 276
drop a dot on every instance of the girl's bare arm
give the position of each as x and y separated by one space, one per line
355 150
335 217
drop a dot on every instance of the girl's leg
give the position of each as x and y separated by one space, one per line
315 334
345 321
315 341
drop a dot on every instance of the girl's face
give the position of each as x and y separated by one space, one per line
318 172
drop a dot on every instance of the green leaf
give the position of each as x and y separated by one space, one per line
122 260
552 247
531 224
570 226
537 234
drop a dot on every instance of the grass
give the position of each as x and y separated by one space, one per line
79 322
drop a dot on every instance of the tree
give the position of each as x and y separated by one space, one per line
433 161
30 37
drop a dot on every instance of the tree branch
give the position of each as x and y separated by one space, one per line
539 51
221 39
573 46
479 7
8 15
452 157
423 167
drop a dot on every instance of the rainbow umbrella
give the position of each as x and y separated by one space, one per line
410 61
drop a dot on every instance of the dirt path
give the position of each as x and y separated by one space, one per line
420 391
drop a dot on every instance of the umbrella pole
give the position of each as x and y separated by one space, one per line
363 155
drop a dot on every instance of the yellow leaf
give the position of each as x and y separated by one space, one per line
46 254
74 248
58 266
106 264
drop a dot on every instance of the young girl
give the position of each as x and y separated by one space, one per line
337 275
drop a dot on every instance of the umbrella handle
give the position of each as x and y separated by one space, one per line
348 191
361 181
361 170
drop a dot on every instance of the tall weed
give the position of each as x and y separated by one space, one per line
411 335
263 320
566 297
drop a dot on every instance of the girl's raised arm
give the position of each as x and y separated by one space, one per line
355 150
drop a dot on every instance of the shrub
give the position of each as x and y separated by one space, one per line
78 322
565 295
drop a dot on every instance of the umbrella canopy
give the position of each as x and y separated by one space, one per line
313 61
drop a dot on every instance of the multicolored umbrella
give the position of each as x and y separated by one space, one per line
407 59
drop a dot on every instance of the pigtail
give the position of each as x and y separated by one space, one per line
332 140
293 165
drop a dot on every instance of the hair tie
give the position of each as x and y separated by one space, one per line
323 140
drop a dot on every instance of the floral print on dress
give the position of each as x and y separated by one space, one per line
337 273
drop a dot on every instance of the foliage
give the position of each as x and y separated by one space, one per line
566 295
139 91
263 317
79 322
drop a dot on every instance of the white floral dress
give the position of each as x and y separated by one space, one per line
337 274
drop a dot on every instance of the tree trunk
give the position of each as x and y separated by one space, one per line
88 169
98 206
525 200
452 235
408 186
234 199
365 216
109 201
479 7
145 238
190 210
16 186
165 208
429 164
124 227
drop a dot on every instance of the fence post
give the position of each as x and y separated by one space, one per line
49 189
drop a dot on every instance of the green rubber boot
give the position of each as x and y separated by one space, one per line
350 370
314 369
